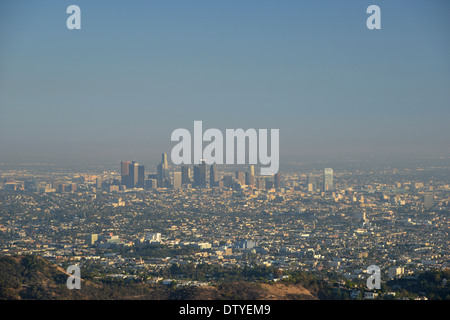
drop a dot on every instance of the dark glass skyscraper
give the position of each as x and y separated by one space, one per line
185 175
200 174
134 175
213 176
141 177
250 176
249 179
125 172
277 180
203 173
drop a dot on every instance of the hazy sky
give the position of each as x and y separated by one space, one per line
137 70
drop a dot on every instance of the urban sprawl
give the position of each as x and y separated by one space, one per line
339 221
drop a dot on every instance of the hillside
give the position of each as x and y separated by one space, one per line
32 277
286 292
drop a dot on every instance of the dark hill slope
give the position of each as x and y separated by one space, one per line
34 278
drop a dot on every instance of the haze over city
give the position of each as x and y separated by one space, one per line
135 72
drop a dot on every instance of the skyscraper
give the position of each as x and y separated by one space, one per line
269 183
428 201
200 174
213 176
328 179
311 183
177 180
163 172
133 175
98 183
185 175
164 160
250 176
252 169
141 177
249 179
203 173
277 180
125 171
197 179
240 177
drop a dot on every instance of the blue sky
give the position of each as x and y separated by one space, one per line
137 70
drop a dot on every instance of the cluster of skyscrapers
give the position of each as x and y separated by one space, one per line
133 176
328 184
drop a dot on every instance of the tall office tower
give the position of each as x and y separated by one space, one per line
311 183
98 183
250 176
197 179
62 188
185 175
163 172
72 187
249 179
428 201
277 180
240 177
159 173
213 176
134 174
252 169
203 173
200 175
141 177
159 170
164 160
177 180
125 172
328 179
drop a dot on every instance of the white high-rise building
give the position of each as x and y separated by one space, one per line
153 237
328 179
428 201
177 180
